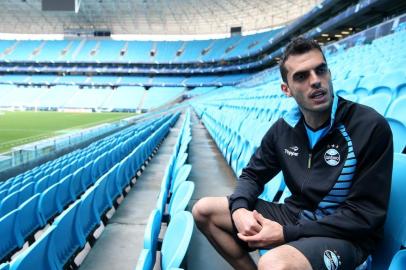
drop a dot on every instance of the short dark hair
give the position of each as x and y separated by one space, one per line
296 46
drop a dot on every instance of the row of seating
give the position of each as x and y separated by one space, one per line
134 51
92 161
55 185
53 250
174 197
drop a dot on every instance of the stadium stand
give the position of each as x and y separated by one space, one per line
234 105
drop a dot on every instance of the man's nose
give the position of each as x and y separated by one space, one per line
314 80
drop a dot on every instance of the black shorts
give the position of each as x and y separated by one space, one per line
321 252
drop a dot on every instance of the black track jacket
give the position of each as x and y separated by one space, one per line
340 188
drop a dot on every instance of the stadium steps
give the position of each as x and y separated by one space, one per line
212 177
121 242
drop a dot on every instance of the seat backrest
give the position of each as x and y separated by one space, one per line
182 195
36 254
180 177
151 232
272 187
380 102
9 234
29 217
176 240
395 225
397 109
61 246
145 260
399 261
399 134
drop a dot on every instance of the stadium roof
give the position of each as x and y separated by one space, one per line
176 17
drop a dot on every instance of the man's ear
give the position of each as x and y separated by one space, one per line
285 89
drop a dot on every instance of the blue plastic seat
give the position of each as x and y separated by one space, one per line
180 177
76 182
4 266
272 187
113 187
36 254
48 204
397 110
395 225
146 260
181 197
62 248
180 161
10 235
151 232
399 134
54 177
176 240
399 261
42 184
102 200
9 203
29 218
86 177
87 213
64 191
380 102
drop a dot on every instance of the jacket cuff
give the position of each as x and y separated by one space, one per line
291 233
237 204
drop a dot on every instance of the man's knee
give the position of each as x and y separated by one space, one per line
206 209
201 211
283 257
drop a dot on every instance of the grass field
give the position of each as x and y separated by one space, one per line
17 128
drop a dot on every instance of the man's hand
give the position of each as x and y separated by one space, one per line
245 222
270 234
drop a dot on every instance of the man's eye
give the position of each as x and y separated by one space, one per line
300 76
321 70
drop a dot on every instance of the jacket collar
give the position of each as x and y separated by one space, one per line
293 116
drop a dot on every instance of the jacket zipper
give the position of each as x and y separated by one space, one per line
309 161
309 165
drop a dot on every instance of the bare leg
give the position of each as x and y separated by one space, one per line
213 219
284 257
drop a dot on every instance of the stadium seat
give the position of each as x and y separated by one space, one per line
380 101
9 203
395 225
62 248
176 240
4 266
64 191
397 109
399 261
87 213
180 177
10 235
181 197
151 232
399 134
275 185
48 204
42 184
29 219
146 260
36 254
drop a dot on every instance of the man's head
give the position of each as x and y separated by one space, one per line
306 76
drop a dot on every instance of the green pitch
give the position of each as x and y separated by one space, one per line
17 128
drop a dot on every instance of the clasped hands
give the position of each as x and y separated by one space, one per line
256 230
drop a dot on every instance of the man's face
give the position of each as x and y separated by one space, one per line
309 81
